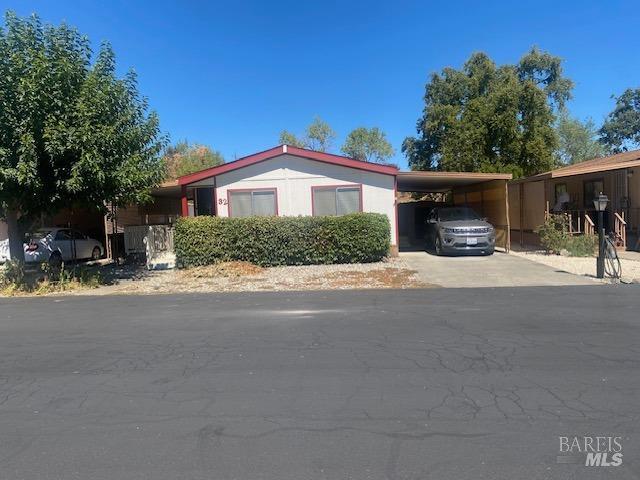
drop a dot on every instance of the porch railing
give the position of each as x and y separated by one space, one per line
620 229
578 222
625 225
589 226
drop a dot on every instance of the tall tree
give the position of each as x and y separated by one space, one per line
577 140
491 118
621 130
368 144
318 136
288 138
70 132
184 158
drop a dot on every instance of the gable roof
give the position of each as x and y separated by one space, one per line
602 164
287 149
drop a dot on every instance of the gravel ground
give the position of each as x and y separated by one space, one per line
243 277
585 265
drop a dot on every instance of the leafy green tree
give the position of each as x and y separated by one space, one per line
621 130
318 136
368 144
488 118
288 138
545 71
577 140
70 132
184 158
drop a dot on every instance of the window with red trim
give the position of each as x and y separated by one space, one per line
248 203
337 200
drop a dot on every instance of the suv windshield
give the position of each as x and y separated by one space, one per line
456 214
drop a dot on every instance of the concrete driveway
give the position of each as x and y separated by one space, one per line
497 270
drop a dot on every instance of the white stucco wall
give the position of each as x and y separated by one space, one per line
293 178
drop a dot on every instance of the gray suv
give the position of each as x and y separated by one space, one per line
459 230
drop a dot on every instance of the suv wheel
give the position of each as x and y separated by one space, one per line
438 245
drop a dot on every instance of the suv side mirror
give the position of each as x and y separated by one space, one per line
431 220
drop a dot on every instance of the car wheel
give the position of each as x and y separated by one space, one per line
438 245
55 259
55 264
96 253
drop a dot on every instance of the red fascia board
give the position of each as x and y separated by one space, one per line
280 150
227 167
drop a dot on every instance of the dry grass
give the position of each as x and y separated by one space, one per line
246 277
37 285
225 269
384 278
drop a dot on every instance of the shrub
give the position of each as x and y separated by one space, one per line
553 233
16 278
270 241
13 274
554 237
582 245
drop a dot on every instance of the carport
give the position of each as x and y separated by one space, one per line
486 193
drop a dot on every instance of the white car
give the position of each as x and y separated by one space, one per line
55 245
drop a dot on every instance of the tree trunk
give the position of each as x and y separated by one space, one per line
16 237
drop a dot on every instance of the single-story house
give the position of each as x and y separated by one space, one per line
287 180
290 181
572 189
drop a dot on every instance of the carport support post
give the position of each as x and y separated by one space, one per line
521 208
184 203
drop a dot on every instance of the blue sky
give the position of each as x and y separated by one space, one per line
232 75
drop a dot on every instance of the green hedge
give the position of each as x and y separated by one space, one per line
270 241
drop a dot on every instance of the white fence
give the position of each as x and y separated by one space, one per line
154 241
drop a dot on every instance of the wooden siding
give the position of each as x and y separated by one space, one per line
490 200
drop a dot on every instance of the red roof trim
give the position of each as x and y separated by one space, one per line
287 149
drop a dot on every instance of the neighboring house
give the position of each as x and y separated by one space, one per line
571 190
290 181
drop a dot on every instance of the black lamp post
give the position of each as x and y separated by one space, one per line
601 205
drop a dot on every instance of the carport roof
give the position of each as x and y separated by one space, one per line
432 182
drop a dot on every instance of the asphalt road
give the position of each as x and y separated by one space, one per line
436 384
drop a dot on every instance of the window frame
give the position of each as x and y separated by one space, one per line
251 190
555 190
335 188
588 205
